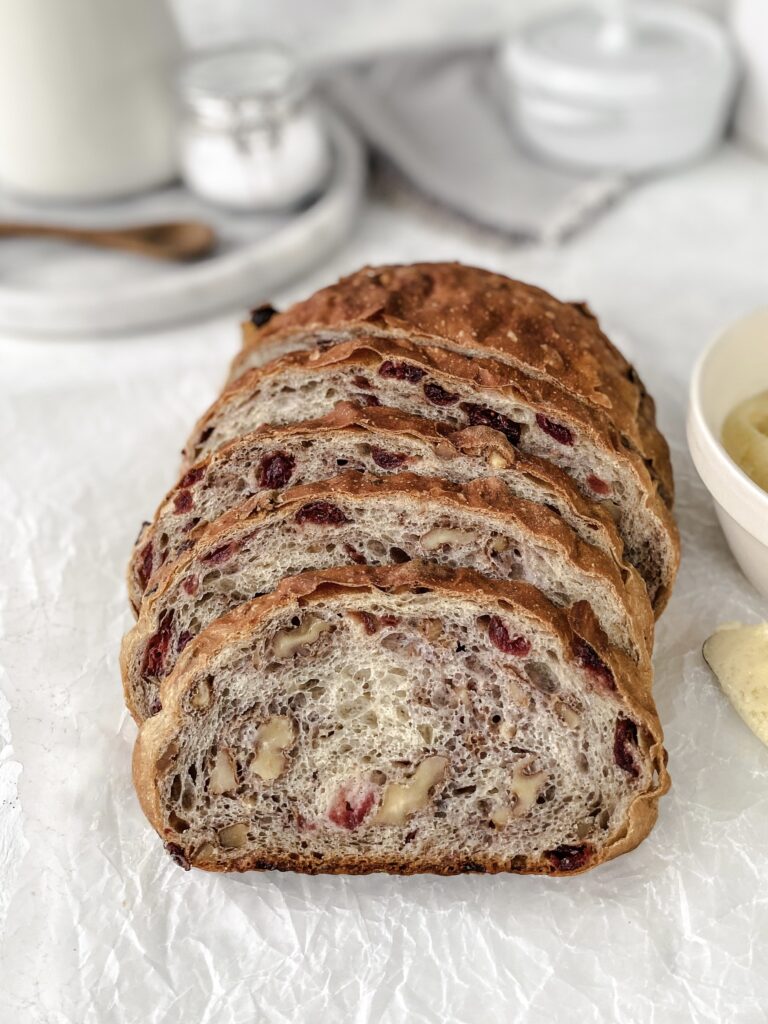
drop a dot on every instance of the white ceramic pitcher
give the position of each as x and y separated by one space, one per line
86 103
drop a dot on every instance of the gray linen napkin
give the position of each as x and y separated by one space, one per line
441 122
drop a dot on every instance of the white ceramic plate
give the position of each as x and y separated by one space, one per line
51 287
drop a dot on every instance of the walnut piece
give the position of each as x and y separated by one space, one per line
441 536
287 641
524 790
273 738
201 696
402 799
567 715
234 836
223 777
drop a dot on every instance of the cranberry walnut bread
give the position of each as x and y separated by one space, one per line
369 439
372 520
296 734
474 312
459 391
397 612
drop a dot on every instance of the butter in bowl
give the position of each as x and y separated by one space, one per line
728 440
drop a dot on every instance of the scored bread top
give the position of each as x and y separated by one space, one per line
479 312
492 450
630 684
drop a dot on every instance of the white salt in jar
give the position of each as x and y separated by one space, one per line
250 137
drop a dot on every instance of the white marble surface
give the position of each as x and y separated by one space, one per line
95 923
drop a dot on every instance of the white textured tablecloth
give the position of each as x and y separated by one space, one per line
96 923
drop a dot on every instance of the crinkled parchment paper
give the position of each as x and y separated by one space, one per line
96 923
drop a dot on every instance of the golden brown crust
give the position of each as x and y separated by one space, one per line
447 368
633 685
487 496
477 311
481 443
484 374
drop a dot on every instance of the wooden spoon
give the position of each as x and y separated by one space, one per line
174 240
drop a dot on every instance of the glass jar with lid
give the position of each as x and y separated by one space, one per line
250 137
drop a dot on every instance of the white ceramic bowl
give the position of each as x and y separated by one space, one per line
732 368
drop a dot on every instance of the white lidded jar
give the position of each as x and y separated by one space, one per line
633 86
86 98
749 20
251 138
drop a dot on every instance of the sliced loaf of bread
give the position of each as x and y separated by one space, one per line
404 719
362 519
475 312
369 439
458 391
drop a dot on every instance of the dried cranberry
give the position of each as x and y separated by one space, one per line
222 554
157 647
624 740
145 566
192 477
276 469
588 658
560 433
481 416
262 314
155 707
183 501
597 485
177 855
369 622
323 513
389 620
354 555
401 371
350 806
499 637
182 640
362 382
366 399
569 858
439 396
387 460
190 584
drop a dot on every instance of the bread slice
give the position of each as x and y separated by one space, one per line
476 312
404 719
459 391
375 520
370 439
